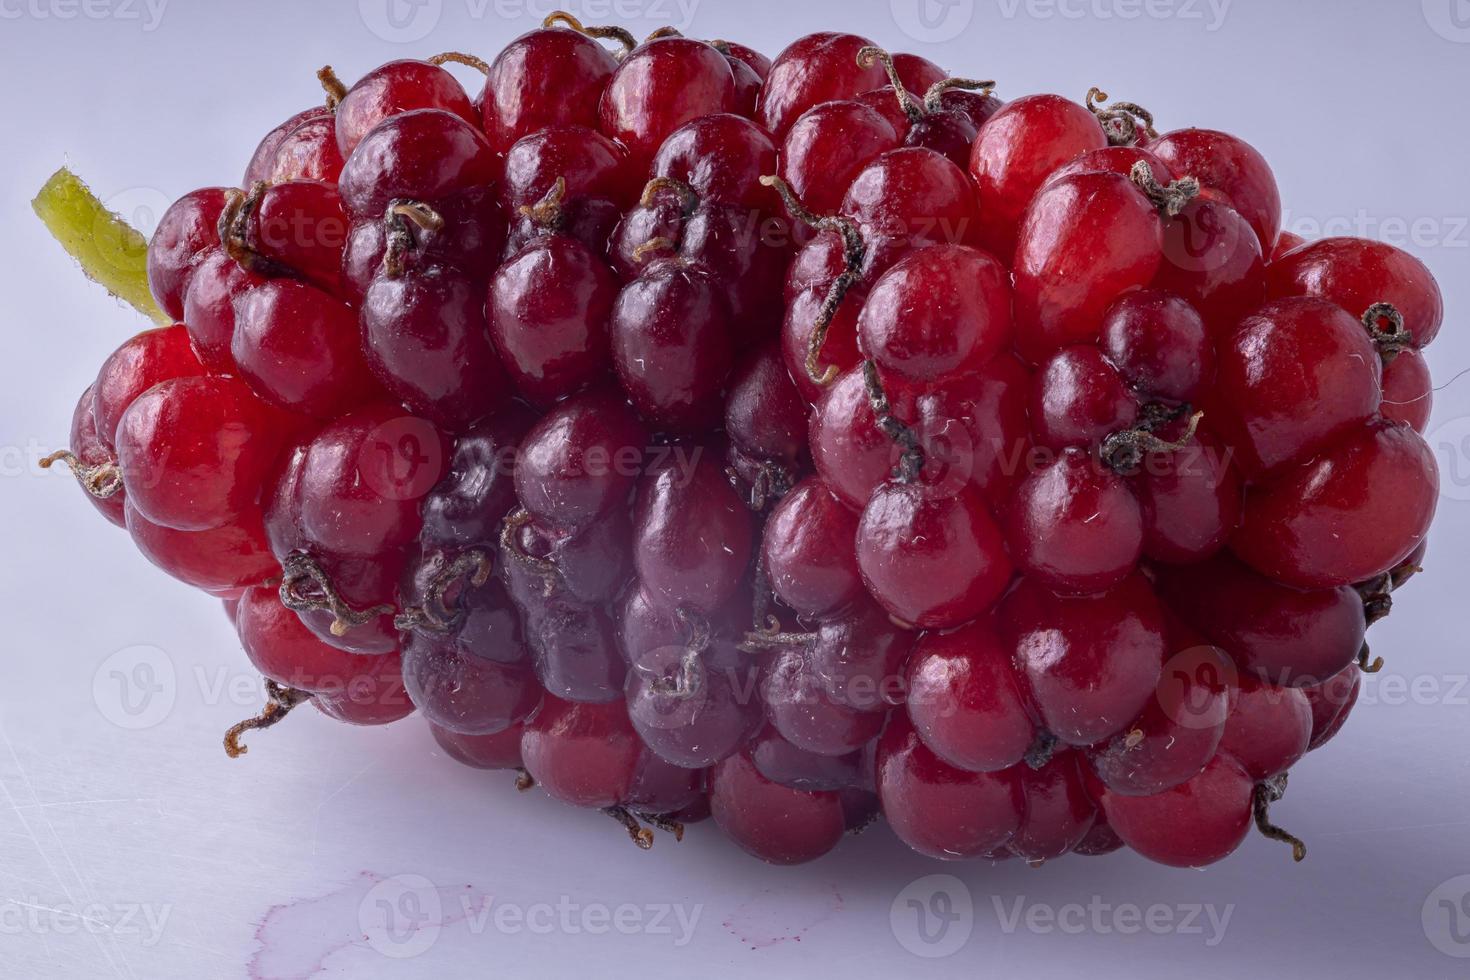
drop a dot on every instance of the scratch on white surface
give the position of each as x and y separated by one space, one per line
316 820
1414 826
30 882
102 947
203 949
66 803
67 913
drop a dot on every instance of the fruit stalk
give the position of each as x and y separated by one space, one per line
111 252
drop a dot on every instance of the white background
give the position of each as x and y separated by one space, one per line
146 853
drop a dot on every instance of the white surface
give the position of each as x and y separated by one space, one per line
146 853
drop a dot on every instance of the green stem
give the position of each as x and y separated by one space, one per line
111 253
